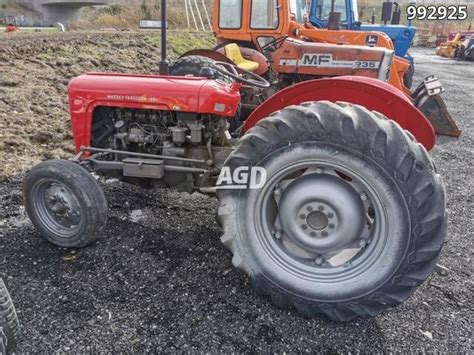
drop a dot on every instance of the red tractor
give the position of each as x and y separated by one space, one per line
328 206
10 22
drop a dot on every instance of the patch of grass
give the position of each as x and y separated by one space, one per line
181 42
128 15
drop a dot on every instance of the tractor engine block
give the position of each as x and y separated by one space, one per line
149 131
141 139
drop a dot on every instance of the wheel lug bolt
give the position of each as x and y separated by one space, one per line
277 191
318 261
309 208
321 207
331 226
324 234
278 234
302 216
362 243
313 234
304 226
330 215
363 196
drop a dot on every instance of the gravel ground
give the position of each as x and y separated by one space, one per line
160 280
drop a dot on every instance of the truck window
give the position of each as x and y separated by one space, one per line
298 8
264 14
230 13
324 8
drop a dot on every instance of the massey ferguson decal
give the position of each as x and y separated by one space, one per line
132 98
326 61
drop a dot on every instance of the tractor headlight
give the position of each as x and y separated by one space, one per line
219 107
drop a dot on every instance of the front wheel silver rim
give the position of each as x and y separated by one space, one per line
57 208
321 221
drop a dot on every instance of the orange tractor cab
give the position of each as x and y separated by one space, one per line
275 39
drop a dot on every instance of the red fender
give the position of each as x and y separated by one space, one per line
373 94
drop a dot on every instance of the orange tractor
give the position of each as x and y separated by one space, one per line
274 38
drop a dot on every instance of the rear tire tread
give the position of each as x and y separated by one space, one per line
87 189
374 135
9 326
192 65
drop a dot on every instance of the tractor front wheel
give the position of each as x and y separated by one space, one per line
351 218
65 203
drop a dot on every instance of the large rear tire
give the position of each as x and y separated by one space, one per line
65 203
351 218
9 326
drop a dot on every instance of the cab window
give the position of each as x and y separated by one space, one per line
298 8
230 13
324 8
264 14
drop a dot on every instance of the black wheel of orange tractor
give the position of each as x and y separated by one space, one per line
351 218
193 64
9 326
65 203
408 76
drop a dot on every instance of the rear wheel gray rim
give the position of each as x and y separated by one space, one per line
291 250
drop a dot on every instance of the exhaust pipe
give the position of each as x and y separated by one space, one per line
334 20
164 64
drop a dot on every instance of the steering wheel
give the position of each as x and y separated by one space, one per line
232 71
274 44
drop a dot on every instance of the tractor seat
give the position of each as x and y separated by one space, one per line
232 52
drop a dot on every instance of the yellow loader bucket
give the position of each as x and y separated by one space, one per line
428 100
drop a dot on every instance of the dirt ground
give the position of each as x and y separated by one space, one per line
159 280
35 69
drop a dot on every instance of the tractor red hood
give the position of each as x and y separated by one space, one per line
152 92
188 94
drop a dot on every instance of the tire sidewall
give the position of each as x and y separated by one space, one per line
3 338
269 266
8 321
65 175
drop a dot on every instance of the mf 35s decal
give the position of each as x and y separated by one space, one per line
323 60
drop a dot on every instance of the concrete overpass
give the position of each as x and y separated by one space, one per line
64 11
